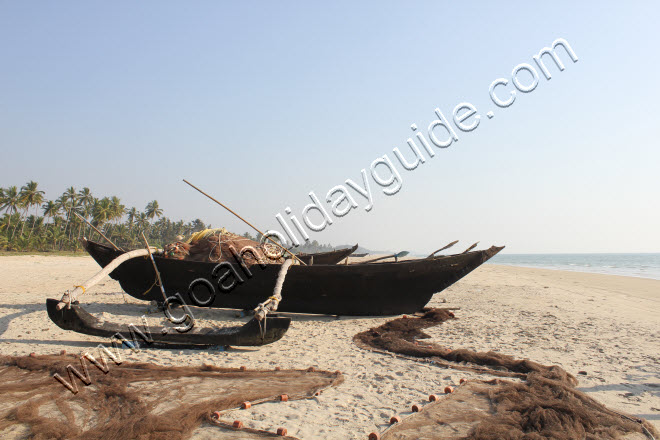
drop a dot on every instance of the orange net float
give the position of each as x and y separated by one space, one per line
216 415
281 431
433 398
278 368
449 390
416 408
237 424
374 436
243 368
395 419
284 398
462 381
246 405
311 369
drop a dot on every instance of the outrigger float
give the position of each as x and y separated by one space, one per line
253 333
264 328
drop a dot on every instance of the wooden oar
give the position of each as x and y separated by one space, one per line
395 256
248 223
443 248
470 248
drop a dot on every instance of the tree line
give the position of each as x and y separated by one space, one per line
32 223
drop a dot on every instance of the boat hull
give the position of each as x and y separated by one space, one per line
357 289
332 257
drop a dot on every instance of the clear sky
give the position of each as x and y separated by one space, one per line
260 103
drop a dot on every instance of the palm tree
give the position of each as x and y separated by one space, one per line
116 210
86 200
31 196
11 202
152 210
55 235
68 202
50 209
85 197
132 215
122 234
102 212
142 221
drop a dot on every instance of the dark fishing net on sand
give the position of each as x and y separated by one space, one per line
133 400
544 405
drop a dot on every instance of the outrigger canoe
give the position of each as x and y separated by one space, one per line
385 288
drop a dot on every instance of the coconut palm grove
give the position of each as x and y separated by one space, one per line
32 223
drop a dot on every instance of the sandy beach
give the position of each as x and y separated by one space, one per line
605 326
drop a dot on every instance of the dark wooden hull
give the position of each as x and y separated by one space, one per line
355 289
332 257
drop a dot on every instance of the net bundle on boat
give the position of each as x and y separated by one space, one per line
135 400
543 404
216 245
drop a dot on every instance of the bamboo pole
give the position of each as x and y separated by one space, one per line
117 248
247 223
153 262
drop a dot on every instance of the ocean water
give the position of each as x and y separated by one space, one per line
632 265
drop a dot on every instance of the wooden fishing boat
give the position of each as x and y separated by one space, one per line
385 288
332 257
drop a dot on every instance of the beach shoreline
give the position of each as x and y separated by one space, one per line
607 326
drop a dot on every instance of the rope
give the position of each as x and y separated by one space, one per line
270 305
297 396
155 283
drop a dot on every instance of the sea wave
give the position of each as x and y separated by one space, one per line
633 265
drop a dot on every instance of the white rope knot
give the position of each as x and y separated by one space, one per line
66 300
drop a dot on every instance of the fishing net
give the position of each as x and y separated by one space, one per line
216 245
135 400
543 405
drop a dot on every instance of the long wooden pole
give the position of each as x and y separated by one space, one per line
99 232
470 248
153 262
247 223
443 248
